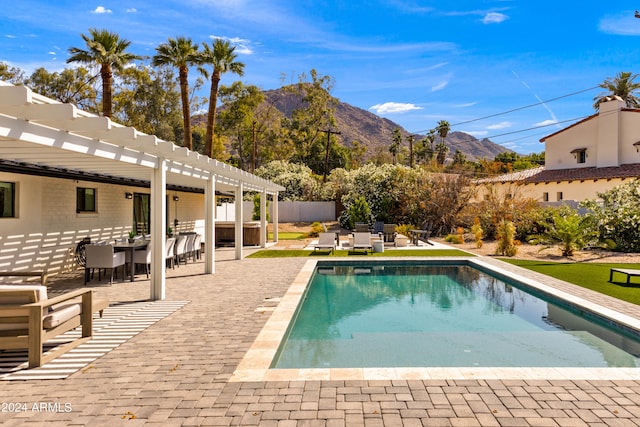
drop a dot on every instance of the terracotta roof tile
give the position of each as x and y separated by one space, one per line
623 171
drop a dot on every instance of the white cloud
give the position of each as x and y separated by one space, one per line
132 10
10 36
501 125
622 24
101 9
494 18
393 107
439 86
467 105
51 53
545 123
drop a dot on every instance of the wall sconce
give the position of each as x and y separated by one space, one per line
128 195
637 145
176 198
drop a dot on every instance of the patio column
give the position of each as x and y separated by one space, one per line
210 225
275 217
239 226
158 232
263 219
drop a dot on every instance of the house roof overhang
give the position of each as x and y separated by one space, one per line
40 131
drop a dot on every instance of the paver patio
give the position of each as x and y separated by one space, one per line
176 373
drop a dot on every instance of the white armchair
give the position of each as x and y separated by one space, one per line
103 256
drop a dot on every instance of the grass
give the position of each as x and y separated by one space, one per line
594 276
291 253
289 235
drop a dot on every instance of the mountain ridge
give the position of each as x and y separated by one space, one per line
375 132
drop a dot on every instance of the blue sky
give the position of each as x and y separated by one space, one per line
414 62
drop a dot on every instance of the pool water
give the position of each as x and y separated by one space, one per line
407 315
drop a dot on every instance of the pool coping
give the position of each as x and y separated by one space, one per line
255 364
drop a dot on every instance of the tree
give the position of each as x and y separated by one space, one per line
396 140
71 85
148 99
221 55
181 53
242 122
108 51
442 129
410 140
11 74
622 85
310 120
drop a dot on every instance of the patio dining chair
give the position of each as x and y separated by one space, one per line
170 256
103 257
181 248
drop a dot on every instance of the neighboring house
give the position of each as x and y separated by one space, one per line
589 157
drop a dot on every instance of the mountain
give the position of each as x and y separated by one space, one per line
375 132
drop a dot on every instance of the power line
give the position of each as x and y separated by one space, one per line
518 108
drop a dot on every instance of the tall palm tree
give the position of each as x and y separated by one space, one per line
622 85
443 129
396 140
108 51
180 52
221 54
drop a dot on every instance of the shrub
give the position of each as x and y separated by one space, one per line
476 230
256 208
457 239
405 229
357 211
505 233
316 229
568 229
618 216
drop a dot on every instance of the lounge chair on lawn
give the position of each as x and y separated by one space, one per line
362 241
326 241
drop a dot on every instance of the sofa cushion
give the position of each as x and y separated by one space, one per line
41 294
61 314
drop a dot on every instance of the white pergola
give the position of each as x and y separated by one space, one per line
39 131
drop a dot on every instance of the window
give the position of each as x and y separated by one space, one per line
559 196
85 199
545 197
7 200
580 155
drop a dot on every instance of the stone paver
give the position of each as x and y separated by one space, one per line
176 373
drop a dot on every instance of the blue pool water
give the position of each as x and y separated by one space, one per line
395 314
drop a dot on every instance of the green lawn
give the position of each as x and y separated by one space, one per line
283 253
594 276
289 235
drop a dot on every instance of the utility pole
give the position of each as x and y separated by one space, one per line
329 132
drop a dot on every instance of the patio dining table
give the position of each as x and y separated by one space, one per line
131 247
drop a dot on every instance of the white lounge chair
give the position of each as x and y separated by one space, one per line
362 241
326 241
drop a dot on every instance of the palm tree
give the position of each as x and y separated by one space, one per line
221 55
443 129
180 52
107 50
395 144
622 85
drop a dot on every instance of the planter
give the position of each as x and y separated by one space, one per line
131 240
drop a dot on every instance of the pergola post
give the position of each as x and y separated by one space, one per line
210 225
158 224
275 217
263 219
239 225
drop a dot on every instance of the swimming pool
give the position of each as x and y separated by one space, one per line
445 314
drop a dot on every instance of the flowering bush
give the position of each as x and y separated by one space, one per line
618 215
